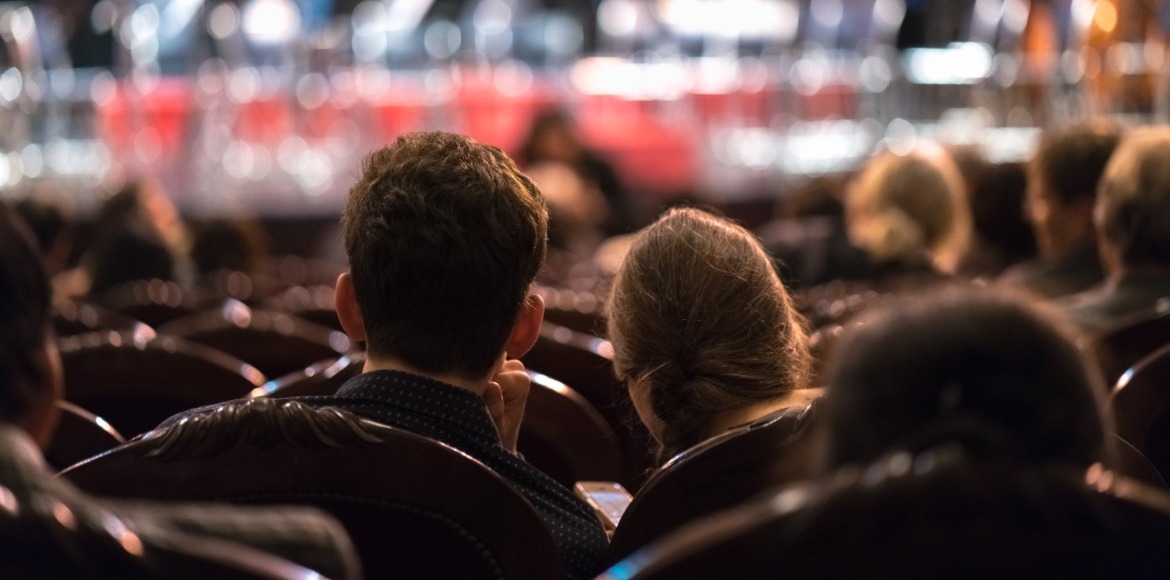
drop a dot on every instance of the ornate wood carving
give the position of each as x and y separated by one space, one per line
260 422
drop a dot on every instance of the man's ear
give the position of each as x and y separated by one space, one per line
349 312
527 328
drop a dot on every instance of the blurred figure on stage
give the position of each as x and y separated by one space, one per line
553 139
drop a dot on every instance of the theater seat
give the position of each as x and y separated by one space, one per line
136 382
321 379
79 435
1140 404
312 303
1123 344
717 474
937 515
273 342
564 436
71 317
415 508
585 362
154 302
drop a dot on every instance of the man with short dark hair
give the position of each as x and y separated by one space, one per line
1062 187
444 238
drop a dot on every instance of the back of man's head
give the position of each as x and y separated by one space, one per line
24 321
444 237
1069 162
1133 205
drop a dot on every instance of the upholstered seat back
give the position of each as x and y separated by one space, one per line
414 507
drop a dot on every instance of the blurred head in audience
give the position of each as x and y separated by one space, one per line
1062 186
552 137
444 237
1133 204
137 231
906 208
51 225
30 370
1001 236
237 243
704 334
989 371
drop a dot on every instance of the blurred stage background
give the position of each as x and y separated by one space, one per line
269 105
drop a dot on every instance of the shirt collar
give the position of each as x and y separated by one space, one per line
459 408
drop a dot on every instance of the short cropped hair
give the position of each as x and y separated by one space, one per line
1133 203
1068 163
983 369
25 318
699 317
444 237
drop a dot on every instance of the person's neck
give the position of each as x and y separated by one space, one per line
476 386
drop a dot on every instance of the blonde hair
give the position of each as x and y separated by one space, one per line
902 206
1133 203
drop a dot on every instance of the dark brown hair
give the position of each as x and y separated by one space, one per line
980 368
1069 163
699 317
25 317
444 237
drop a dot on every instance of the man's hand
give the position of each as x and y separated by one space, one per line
505 395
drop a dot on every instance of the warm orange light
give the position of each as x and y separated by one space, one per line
1105 17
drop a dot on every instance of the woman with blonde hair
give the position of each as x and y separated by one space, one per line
704 334
907 211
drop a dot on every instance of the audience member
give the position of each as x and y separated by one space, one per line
808 239
964 439
704 334
908 213
553 139
444 238
238 244
138 235
1132 219
1001 236
1062 187
983 369
30 388
52 226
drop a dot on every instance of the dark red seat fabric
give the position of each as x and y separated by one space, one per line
1141 408
564 436
937 515
717 474
50 530
415 508
273 342
135 383
585 362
